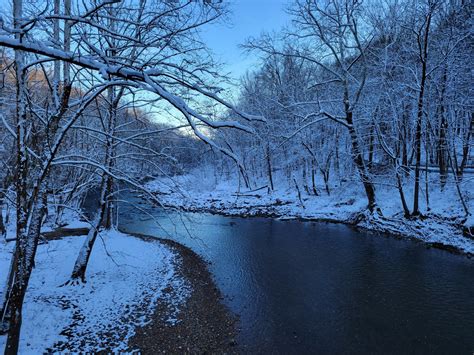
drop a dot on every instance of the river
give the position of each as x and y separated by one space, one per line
304 287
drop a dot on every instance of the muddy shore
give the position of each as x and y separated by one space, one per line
203 324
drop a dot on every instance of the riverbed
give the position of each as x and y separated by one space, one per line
301 287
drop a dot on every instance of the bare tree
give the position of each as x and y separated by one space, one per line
333 29
170 62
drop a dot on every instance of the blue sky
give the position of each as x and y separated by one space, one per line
248 18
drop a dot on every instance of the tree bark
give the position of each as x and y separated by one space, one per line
443 127
419 116
371 149
3 230
80 266
406 210
298 192
22 266
359 163
16 288
465 149
313 178
269 169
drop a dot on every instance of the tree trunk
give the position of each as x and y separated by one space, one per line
18 277
105 210
371 149
336 162
465 149
269 170
416 208
427 182
22 266
442 143
313 178
406 210
109 205
419 115
305 178
457 181
80 266
3 230
113 102
298 192
405 142
359 163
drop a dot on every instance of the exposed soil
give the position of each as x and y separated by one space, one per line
203 324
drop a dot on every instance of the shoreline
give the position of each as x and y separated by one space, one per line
360 221
197 322
203 323
444 224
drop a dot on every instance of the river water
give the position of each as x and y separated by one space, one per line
304 287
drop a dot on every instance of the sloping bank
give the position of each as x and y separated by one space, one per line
441 228
202 325
142 294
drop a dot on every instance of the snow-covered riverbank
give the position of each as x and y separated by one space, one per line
442 226
126 278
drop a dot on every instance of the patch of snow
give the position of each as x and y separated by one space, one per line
125 279
200 191
469 221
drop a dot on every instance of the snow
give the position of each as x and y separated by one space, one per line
70 219
126 278
200 191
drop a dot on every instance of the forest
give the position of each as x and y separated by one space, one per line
359 112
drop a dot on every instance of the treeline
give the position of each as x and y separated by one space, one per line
379 90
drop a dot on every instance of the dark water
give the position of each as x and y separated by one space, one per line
302 287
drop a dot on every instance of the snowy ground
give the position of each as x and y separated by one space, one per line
126 277
200 192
